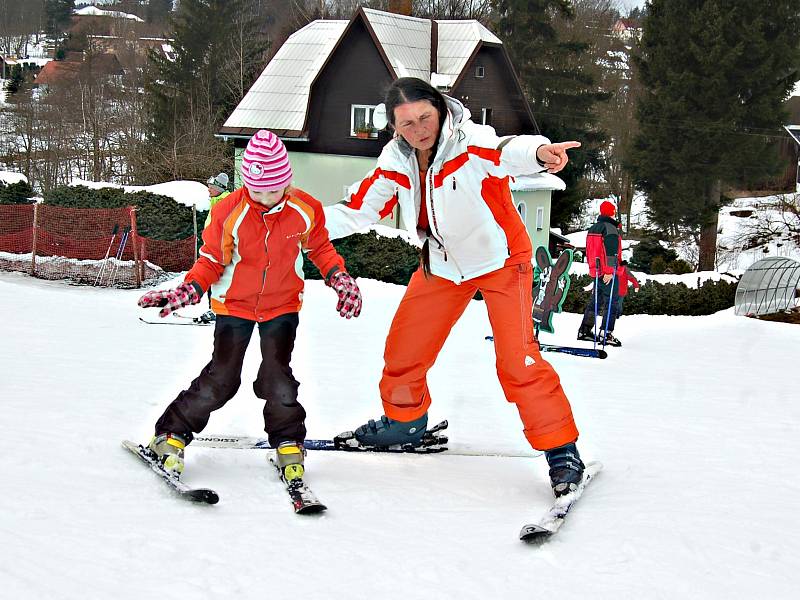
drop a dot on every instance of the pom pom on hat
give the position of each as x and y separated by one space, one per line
607 209
265 163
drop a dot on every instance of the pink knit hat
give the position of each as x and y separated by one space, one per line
265 163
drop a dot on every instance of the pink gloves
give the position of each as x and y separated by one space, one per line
346 288
183 295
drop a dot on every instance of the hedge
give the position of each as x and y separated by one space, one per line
159 217
16 193
371 256
656 298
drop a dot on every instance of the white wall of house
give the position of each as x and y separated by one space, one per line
534 207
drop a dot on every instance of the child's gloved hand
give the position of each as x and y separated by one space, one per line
183 295
346 288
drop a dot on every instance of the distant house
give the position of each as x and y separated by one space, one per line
319 91
627 30
67 72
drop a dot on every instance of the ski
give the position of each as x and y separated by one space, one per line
203 495
552 520
587 352
193 323
304 501
432 442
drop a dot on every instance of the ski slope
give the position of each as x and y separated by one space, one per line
696 420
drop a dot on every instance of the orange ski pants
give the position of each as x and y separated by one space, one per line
427 313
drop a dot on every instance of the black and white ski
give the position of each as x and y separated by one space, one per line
575 351
168 322
432 442
203 495
552 520
304 501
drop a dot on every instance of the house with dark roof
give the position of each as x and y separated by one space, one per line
320 90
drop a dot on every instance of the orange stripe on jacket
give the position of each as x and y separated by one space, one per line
357 200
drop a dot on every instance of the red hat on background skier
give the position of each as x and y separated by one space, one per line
607 209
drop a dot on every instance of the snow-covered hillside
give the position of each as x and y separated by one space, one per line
695 420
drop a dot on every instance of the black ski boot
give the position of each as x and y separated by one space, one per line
585 335
566 468
388 432
611 340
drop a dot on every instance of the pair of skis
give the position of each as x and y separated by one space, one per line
302 498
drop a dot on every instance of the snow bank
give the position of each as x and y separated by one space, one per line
12 177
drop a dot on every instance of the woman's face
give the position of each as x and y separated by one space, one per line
418 123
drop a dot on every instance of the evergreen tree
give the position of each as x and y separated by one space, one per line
716 74
158 11
217 52
561 89
58 13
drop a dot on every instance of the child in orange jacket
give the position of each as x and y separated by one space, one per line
249 260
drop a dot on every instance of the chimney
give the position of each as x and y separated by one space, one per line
400 7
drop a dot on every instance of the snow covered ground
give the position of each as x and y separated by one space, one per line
697 425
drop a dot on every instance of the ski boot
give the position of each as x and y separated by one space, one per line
611 340
388 432
168 450
585 335
207 317
566 468
289 460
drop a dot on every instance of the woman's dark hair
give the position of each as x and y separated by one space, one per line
411 89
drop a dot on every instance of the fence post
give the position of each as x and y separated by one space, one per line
135 235
35 236
194 220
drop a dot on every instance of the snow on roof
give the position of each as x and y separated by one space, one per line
188 193
279 97
456 42
278 100
405 40
537 181
98 12
12 177
796 91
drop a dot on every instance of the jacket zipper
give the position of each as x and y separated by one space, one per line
439 239
266 267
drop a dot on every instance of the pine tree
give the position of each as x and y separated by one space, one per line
561 89
217 51
58 13
716 74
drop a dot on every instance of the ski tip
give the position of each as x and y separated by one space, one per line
202 495
311 509
602 354
534 533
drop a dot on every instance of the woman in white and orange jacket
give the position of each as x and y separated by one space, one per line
450 179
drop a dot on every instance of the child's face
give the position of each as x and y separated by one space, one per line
268 199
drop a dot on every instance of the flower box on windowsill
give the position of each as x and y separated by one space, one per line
363 135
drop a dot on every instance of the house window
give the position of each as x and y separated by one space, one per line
523 212
361 120
486 116
479 72
539 218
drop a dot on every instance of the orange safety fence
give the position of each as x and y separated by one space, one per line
88 246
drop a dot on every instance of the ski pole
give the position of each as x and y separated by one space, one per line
596 282
610 303
120 250
108 252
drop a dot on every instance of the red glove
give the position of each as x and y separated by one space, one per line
185 294
346 288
